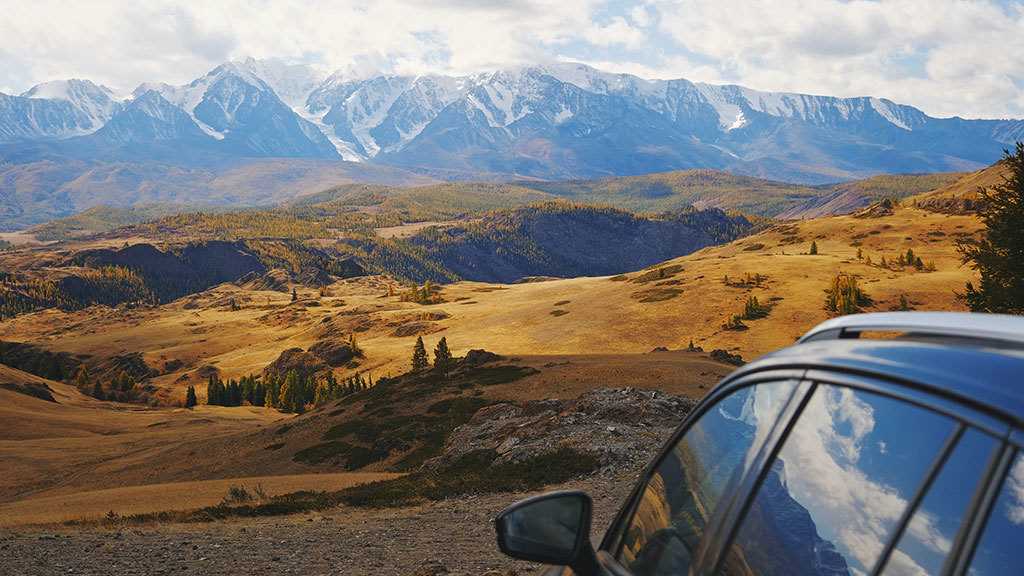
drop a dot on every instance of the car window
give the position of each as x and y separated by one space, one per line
999 549
928 538
843 478
690 480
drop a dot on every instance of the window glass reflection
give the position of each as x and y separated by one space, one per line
999 550
845 475
928 538
689 482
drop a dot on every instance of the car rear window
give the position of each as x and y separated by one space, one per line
844 477
928 538
999 550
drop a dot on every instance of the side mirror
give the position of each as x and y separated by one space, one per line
552 528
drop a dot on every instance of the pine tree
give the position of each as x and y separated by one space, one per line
97 391
295 295
814 248
420 362
190 397
904 304
442 357
999 254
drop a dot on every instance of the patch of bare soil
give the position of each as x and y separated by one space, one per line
454 537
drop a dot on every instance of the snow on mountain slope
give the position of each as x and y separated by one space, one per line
550 120
57 109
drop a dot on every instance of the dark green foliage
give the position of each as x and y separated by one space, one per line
560 239
109 285
999 254
190 397
442 357
726 357
475 473
753 309
30 358
420 363
814 249
355 457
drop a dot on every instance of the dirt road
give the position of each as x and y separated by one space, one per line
451 537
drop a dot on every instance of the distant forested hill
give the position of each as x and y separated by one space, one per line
566 240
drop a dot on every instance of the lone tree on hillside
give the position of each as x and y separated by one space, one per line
295 295
419 356
814 248
190 397
442 357
999 254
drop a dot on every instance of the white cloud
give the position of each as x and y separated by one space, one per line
618 31
945 56
948 57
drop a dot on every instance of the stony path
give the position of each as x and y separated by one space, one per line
452 537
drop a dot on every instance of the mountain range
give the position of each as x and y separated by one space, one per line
554 121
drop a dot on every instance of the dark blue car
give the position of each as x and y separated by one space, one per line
885 444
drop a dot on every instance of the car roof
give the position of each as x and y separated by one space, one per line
977 373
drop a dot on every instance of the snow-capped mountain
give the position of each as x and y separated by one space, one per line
58 109
560 120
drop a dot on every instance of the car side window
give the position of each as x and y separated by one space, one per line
999 549
689 482
830 501
928 538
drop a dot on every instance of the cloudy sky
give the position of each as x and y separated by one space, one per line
947 57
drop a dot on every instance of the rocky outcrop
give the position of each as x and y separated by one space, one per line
617 426
304 363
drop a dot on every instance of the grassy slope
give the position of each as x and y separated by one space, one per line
952 196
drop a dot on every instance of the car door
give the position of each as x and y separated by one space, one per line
817 478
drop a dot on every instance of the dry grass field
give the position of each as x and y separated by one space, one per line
634 313
96 504
72 457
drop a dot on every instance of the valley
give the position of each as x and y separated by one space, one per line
593 327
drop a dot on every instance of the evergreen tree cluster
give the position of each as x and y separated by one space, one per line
107 285
248 389
443 360
292 392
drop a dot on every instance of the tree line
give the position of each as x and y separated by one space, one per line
291 392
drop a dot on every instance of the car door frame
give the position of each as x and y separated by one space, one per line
723 524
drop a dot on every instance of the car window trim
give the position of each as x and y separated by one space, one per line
921 396
915 502
718 542
612 541
965 545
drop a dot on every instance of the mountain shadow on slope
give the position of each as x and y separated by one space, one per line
561 239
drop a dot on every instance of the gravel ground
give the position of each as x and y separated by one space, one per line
452 537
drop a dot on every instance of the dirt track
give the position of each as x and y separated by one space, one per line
455 535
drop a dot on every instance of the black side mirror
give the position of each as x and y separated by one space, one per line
552 528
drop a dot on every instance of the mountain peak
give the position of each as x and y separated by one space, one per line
71 89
